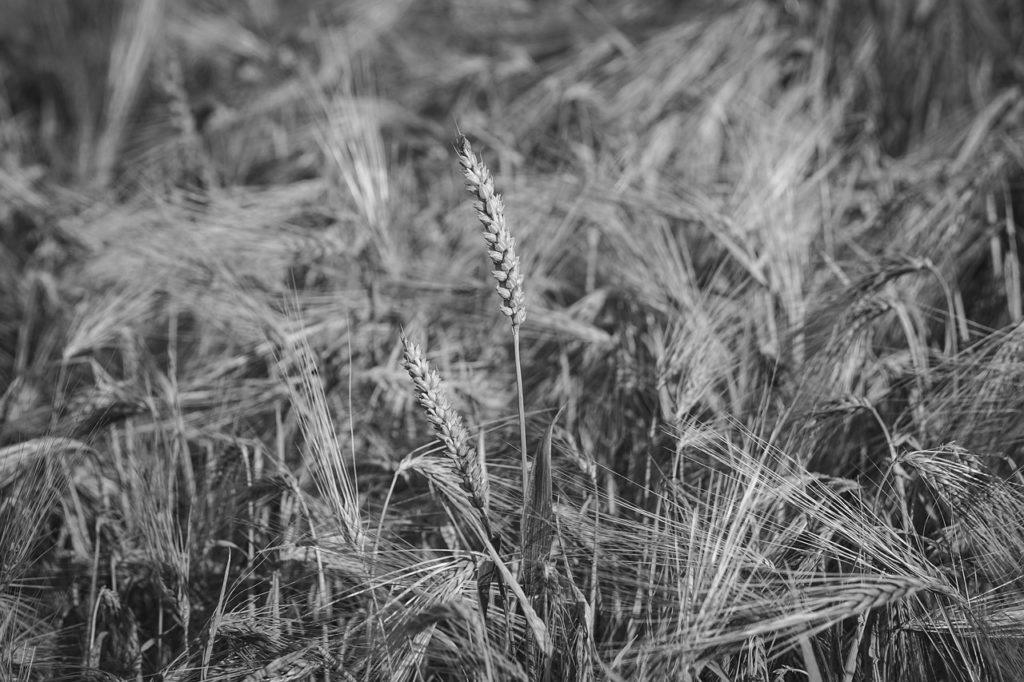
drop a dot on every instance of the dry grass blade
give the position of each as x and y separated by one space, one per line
538 534
130 55
538 628
540 523
351 140
486 575
331 471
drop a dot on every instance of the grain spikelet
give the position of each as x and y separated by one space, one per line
448 425
501 246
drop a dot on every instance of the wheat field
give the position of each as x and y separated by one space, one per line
449 340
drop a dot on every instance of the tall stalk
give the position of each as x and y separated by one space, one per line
501 248
522 419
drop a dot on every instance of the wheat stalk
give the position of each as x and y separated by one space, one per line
448 426
501 248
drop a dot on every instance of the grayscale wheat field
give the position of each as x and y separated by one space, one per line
445 340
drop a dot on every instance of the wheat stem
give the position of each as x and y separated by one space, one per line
522 424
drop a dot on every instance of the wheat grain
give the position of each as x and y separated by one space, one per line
448 425
501 246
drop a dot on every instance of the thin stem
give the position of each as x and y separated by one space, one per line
522 423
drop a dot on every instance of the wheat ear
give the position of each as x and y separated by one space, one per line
501 248
448 426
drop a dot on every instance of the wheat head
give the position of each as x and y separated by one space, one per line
501 246
448 425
